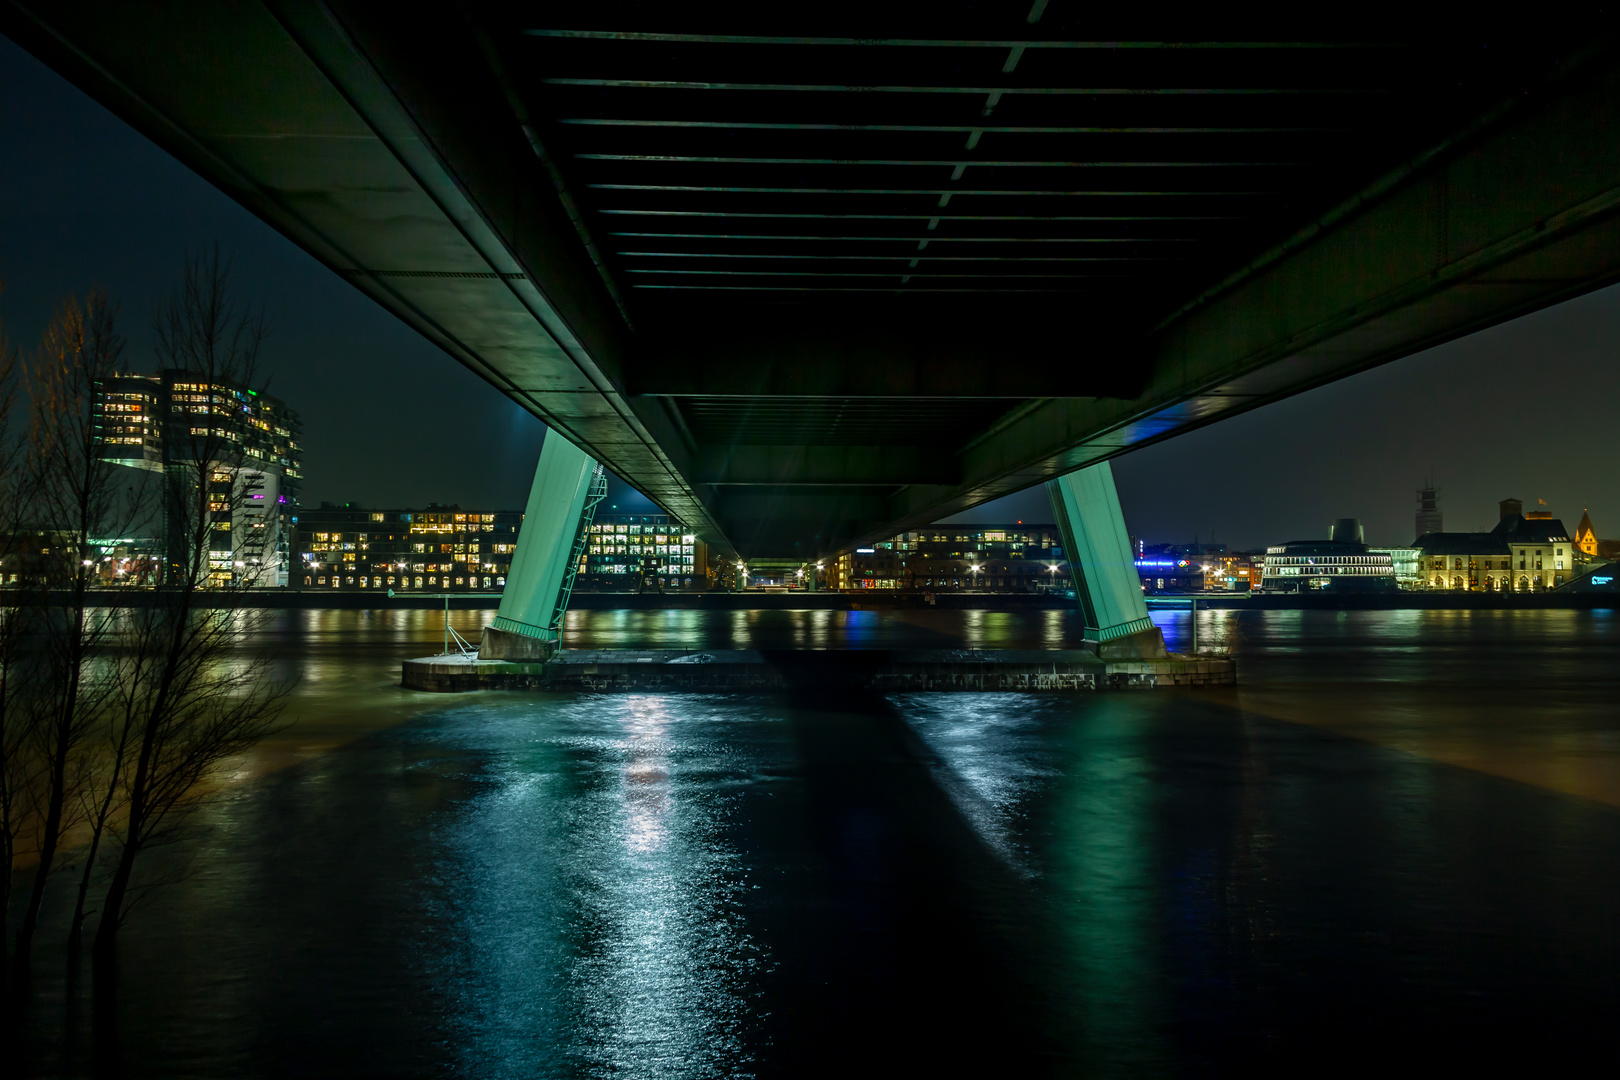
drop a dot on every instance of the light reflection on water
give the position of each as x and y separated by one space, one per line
574 885
600 925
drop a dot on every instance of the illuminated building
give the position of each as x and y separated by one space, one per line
1162 573
1470 562
1407 563
151 422
1525 553
1237 572
994 558
440 549
1341 563
1587 543
1585 538
624 550
131 412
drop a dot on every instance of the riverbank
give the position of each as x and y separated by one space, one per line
316 600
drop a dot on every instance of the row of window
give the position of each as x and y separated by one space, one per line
1490 584
1327 560
994 536
314 563
449 527
642 549
662 534
429 581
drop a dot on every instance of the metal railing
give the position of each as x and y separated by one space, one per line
467 648
582 537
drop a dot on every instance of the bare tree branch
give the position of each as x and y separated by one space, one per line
198 702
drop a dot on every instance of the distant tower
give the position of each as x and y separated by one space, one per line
1347 531
1585 535
1428 515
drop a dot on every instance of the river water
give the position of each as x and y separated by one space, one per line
1396 841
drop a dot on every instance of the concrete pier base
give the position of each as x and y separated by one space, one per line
499 644
1143 645
730 671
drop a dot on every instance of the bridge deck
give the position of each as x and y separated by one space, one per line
809 277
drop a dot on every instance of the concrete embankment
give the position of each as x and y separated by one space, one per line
852 601
884 671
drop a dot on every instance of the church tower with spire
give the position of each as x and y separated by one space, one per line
1585 536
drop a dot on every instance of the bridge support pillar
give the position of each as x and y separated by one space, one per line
526 626
1086 508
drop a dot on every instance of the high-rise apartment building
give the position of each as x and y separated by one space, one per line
155 422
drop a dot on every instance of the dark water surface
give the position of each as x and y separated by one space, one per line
1398 839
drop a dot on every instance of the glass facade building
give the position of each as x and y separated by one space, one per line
1312 565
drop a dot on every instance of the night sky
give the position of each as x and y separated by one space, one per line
1525 410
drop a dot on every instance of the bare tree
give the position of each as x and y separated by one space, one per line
76 497
17 780
193 700
101 784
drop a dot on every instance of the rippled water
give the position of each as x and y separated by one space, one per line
1395 841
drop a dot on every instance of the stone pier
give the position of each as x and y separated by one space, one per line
883 671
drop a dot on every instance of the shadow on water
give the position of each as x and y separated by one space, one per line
912 946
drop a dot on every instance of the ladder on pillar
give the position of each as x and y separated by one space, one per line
582 537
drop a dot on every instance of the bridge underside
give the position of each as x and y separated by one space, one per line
805 278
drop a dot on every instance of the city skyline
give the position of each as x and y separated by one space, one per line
1512 411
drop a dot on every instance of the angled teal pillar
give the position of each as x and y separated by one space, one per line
524 625
1086 508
